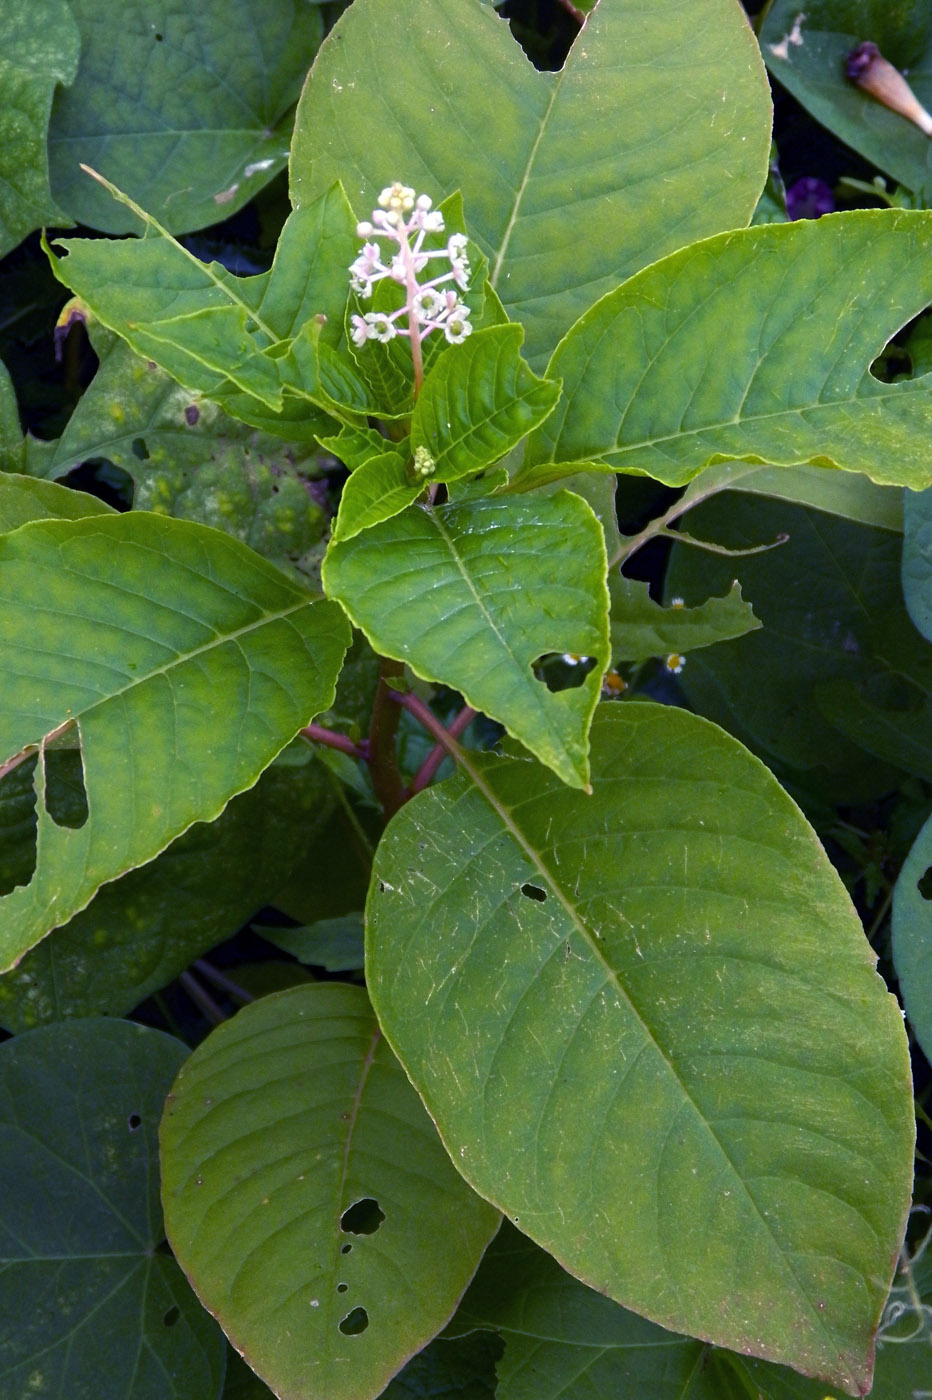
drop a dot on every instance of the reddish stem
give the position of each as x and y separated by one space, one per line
574 10
383 760
317 734
438 753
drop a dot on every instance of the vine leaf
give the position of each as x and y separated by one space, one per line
181 661
571 180
809 306
91 1304
473 595
309 1199
650 1029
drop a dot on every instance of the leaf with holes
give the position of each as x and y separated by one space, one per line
473 595
309 1199
571 181
190 110
642 628
650 1029
91 1305
223 336
183 661
40 49
809 306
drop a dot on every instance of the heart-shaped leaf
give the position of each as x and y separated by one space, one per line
185 663
309 1199
808 307
91 1305
649 1028
649 137
472 595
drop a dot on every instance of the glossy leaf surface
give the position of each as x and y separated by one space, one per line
809 306
40 49
347 1240
183 681
92 1308
571 181
650 1029
473 595
189 110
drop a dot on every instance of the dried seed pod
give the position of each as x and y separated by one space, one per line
867 67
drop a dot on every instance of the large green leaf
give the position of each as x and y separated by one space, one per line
213 330
472 595
92 1308
309 1199
650 385
649 1027
185 663
187 108
40 49
141 931
806 52
572 180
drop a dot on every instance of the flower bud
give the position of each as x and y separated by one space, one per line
867 67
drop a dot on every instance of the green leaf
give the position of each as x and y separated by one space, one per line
141 931
806 54
22 499
473 595
190 111
571 181
216 333
563 1341
847 494
478 403
355 446
831 607
912 937
641 628
463 1368
333 944
808 307
649 1027
184 661
348 1211
92 1307
40 50
379 488
917 559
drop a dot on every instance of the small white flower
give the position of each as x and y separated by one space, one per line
397 198
573 658
675 663
381 327
364 229
677 603
360 330
428 304
458 326
433 222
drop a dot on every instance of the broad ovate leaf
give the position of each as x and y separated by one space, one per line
808 307
92 1303
650 1029
473 595
40 49
180 660
187 108
309 1199
571 181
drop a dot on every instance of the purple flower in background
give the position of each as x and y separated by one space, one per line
809 198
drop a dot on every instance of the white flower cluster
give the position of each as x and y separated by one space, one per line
406 220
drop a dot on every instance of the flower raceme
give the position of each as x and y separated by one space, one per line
406 220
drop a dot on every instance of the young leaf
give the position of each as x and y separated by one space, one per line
91 1305
190 111
649 1027
379 488
478 403
808 307
185 663
647 139
641 628
40 49
309 1199
473 595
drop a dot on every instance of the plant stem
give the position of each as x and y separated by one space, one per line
383 760
317 734
709 483
574 10
202 999
223 983
438 753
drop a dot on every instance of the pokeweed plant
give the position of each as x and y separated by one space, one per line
614 989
